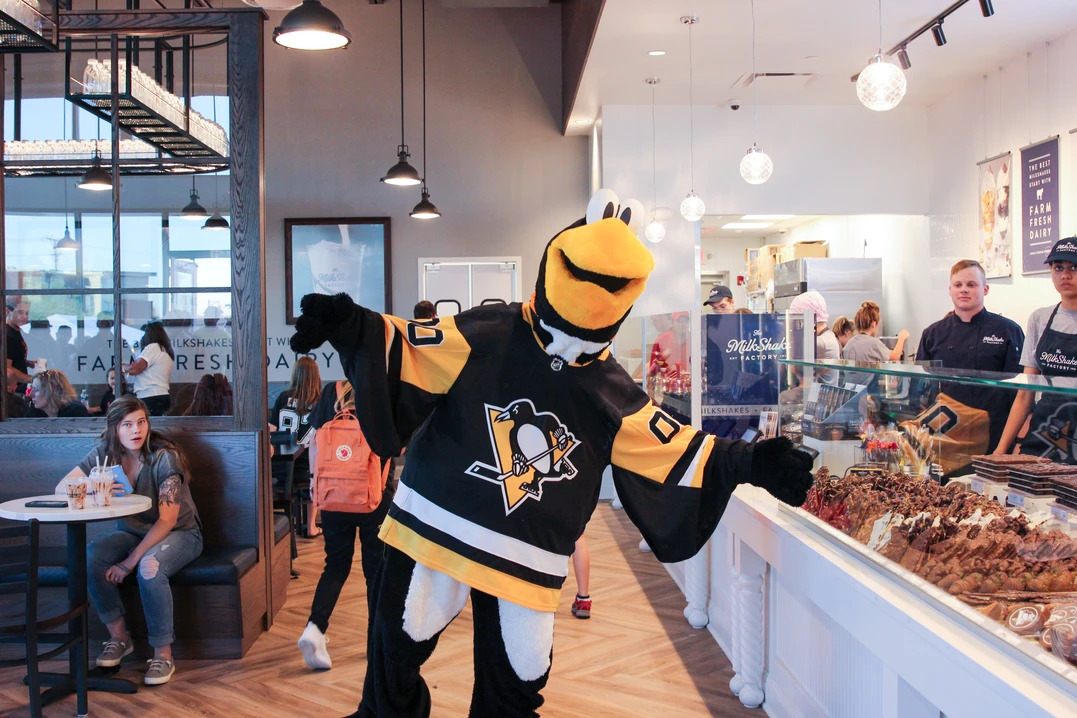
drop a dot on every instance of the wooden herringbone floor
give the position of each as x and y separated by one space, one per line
636 656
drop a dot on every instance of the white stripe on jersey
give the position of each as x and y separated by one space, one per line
506 547
690 472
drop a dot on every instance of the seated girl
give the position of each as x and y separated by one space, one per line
157 542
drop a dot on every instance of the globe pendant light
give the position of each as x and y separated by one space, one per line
755 166
311 26
655 231
881 85
97 178
194 211
402 174
692 207
425 209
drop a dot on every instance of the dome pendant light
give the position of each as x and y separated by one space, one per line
881 85
194 211
216 223
655 231
311 26
97 178
425 209
755 166
692 207
402 174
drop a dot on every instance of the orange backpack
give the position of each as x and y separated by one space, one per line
348 476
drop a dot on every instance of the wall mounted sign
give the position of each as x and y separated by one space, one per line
995 242
329 256
1039 204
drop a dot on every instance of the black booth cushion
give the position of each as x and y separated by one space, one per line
215 567
281 524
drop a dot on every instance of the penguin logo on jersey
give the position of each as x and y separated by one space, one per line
1058 433
530 447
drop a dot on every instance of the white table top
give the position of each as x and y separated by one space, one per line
121 506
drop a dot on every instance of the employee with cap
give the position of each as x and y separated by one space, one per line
720 299
970 337
827 347
1050 349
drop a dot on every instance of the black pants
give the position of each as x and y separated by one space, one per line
158 405
393 687
339 528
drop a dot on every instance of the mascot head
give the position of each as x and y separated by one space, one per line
589 277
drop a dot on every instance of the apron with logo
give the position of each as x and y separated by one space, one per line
1053 429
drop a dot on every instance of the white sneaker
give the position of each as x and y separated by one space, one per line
312 644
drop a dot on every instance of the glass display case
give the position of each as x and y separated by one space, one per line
906 480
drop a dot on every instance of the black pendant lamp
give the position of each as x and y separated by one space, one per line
402 174
194 211
97 178
216 223
425 209
311 26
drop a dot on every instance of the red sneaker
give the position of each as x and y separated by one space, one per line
581 607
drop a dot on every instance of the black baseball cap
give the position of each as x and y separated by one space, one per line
1065 250
718 293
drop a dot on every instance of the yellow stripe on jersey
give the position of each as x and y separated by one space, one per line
650 443
433 355
466 571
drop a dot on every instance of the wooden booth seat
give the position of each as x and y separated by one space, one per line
220 598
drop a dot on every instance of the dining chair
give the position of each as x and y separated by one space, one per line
23 624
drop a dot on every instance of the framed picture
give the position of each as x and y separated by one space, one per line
342 254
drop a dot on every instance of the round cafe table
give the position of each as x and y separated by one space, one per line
63 684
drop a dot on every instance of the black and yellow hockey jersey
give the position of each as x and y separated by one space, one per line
506 448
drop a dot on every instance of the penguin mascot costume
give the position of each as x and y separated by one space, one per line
510 412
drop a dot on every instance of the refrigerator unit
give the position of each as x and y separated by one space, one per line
844 283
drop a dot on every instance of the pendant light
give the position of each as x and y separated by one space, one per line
311 26
881 84
425 209
655 231
97 178
402 174
692 207
67 242
755 166
216 223
194 211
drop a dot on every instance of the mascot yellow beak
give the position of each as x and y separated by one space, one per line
594 273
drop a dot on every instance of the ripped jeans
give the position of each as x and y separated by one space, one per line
175 551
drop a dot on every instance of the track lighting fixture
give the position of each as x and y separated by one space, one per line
936 31
903 59
987 8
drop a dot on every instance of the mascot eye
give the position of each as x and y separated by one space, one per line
632 214
603 205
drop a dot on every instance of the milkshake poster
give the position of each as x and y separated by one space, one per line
995 242
329 256
1039 204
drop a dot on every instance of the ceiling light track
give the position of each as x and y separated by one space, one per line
934 26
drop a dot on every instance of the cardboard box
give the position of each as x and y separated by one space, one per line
799 250
760 263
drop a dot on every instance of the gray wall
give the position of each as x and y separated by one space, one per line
503 177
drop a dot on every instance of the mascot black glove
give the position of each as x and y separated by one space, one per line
782 469
322 317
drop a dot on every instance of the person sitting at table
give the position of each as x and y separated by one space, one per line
157 542
291 413
212 397
52 395
108 397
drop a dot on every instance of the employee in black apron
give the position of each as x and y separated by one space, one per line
970 337
1050 349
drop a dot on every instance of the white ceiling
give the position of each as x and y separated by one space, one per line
831 39
711 226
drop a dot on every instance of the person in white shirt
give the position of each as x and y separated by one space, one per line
152 369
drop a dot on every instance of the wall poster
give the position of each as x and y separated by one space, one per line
328 256
994 240
1039 204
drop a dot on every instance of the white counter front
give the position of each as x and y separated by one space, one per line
813 629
